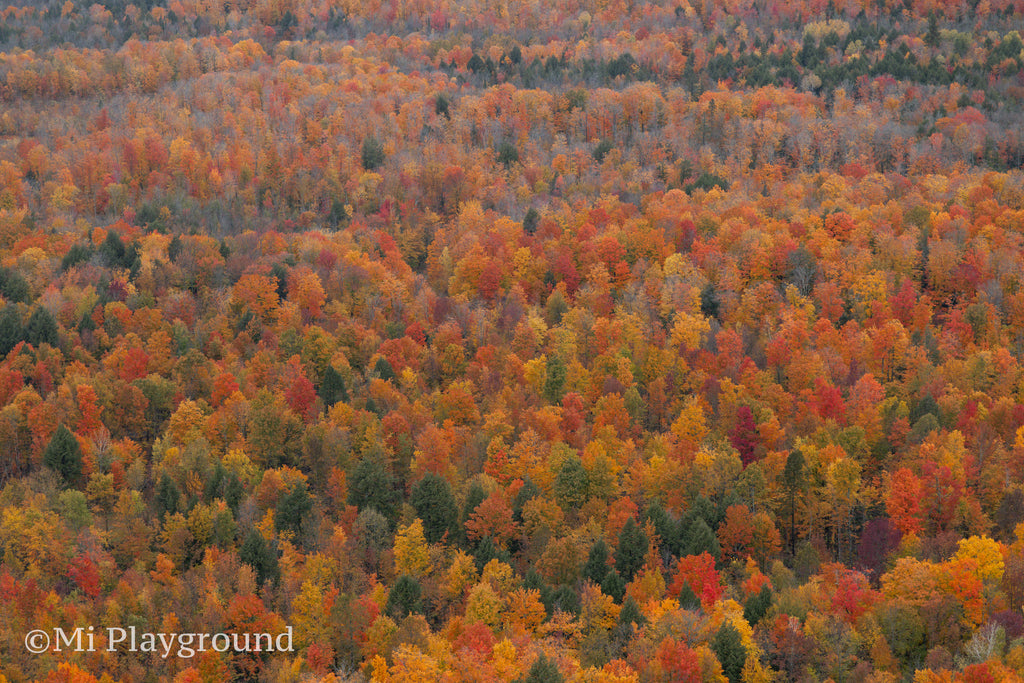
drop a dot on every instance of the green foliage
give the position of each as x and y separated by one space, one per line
435 505
696 537
631 550
614 585
441 106
292 509
705 181
757 605
728 647
543 670
602 149
13 286
372 153
11 332
77 254
530 221
554 381
596 568
64 456
371 486
506 154
572 485
262 557
332 387
41 328
404 598
168 496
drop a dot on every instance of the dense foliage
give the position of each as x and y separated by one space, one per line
577 341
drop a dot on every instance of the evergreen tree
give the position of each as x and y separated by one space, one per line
757 605
526 492
596 568
404 598
564 599
554 383
292 509
728 647
13 286
543 670
261 556
663 524
793 479
699 538
332 387
63 456
572 485
167 496
41 328
372 153
474 497
614 586
632 548
530 221
434 503
370 486
10 329
631 614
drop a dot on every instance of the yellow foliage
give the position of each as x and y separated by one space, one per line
411 550
461 574
411 665
525 610
598 611
987 553
484 605
687 330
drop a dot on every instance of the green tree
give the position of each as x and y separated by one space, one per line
572 485
728 647
293 508
372 153
632 548
757 605
543 670
435 505
41 328
332 387
530 221
793 479
261 556
596 568
404 598
370 486
13 286
63 455
614 586
554 382
697 537
10 329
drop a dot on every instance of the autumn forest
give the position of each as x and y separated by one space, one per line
598 341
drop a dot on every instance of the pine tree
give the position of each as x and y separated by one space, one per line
632 548
434 503
63 456
292 509
261 556
10 329
41 328
404 598
370 486
596 568
572 485
332 387
544 670
728 647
